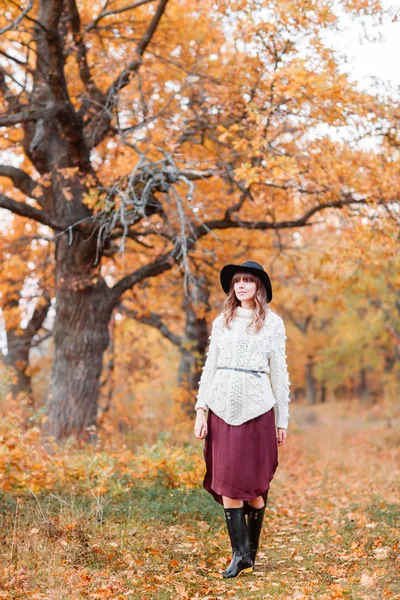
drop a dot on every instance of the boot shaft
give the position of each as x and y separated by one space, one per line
238 530
255 521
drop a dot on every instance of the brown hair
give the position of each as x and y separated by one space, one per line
260 301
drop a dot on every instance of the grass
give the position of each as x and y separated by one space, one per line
331 527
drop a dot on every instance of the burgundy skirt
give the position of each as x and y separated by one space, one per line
240 459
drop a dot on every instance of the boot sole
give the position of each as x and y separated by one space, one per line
248 570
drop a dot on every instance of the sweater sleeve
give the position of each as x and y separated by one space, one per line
209 368
279 376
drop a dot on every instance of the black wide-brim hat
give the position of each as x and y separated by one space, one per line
249 266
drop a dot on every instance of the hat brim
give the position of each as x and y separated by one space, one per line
229 271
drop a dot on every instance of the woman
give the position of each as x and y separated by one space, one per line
244 386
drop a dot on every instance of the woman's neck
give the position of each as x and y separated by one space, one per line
247 304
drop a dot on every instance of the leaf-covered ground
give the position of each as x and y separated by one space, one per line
90 524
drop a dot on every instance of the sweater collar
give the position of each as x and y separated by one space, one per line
244 313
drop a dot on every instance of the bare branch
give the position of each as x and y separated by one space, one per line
18 19
138 201
16 60
24 210
194 174
116 11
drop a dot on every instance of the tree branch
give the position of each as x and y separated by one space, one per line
303 221
81 57
154 320
24 117
123 78
302 325
18 19
133 236
236 207
38 317
166 261
55 59
16 60
100 123
9 97
20 179
116 11
24 210
159 265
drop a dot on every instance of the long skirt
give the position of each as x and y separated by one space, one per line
240 459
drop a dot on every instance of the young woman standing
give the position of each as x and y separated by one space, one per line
245 387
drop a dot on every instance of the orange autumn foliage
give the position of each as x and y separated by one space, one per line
29 464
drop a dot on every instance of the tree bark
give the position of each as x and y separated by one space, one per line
107 386
19 342
83 308
194 342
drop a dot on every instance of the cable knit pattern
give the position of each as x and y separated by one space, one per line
237 397
279 374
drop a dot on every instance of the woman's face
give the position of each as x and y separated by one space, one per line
245 290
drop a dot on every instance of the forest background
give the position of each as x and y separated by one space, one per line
143 147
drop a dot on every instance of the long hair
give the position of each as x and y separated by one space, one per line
260 301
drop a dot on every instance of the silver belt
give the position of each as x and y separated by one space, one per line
256 373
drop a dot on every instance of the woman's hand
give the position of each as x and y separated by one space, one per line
200 426
281 436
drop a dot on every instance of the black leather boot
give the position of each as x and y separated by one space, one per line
255 521
239 536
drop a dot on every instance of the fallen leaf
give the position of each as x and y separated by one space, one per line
381 553
368 580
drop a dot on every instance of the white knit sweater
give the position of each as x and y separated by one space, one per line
237 396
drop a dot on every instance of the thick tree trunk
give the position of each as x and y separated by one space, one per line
59 152
80 339
83 312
